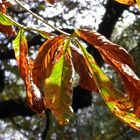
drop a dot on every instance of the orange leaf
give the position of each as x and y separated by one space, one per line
25 64
8 30
82 69
116 56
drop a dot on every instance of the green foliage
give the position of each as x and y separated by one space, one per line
5 21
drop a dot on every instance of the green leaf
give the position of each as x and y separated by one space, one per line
58 87
115 100
5 21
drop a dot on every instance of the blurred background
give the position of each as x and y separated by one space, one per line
92 120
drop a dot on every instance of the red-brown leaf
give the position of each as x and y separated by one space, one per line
86 81
113 51
116 56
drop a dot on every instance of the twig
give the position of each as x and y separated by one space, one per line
40 18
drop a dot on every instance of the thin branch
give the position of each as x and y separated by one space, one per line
40 18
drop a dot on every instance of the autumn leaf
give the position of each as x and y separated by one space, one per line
113 51
44 61
82 69
25 65
51 66
19 44
117 102
58 86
